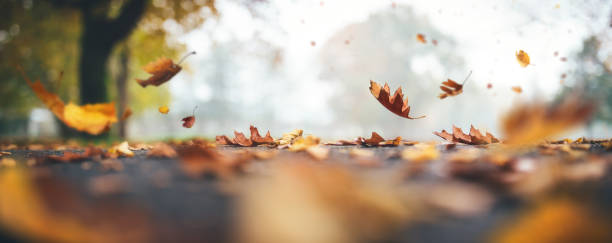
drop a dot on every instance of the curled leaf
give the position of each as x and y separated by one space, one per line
474 138
162 70
452 88
394 103
421 38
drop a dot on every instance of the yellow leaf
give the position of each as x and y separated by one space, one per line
164 109
93 119
522 58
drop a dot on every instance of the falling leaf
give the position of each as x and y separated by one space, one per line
312 43
421 38
452 88
162 70
394 103
190 120
91 118
529 123
346 42
556 53
563 59
163 109
474 138
434 42
489 86
127 113
522 58
517 89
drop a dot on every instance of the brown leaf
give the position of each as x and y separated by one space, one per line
452 88
162 150
242 140
372 141
258 139
197 160
522 58
517 89
474 138
394 103
162 70
224 140
188 121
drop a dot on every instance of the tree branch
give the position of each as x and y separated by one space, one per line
131 12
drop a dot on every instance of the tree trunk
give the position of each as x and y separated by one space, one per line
122 87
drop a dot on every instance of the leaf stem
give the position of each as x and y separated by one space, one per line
184 57
466 78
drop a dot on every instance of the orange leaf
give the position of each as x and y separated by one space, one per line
395 104
474 138
163 109
162 70
452 88
517 89
421 38
241 140
522 58
92 118
256 138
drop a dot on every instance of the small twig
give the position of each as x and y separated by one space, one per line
184 57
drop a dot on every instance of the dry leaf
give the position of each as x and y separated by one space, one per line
372 141
3 153
452 88
197 160
288 138
162 70
163 109
421 38
122 149
530 123
92 118
69 156
241 140
394 103
302 143
489 85
474 138
162 150
522 58
7 162
517 89
188 121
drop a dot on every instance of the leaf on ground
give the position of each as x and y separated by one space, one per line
161 70
318 152
394 103
377 140
163 109
289 137
534 122
91 118
474 138
199 159
68 156
303 143
522 58
420 153
162 150
122 149
241 140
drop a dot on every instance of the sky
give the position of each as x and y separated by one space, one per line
268 62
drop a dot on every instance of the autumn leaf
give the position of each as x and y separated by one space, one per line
303 143
489 85
421 38
529 123
91 118
190 120
517 89
474 138
122 149
377 140
289 137
394 103
420 153
162 70
522 58
241 140
452 88
162 150
163 109
200 159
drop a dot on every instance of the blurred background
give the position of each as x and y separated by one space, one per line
285 64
